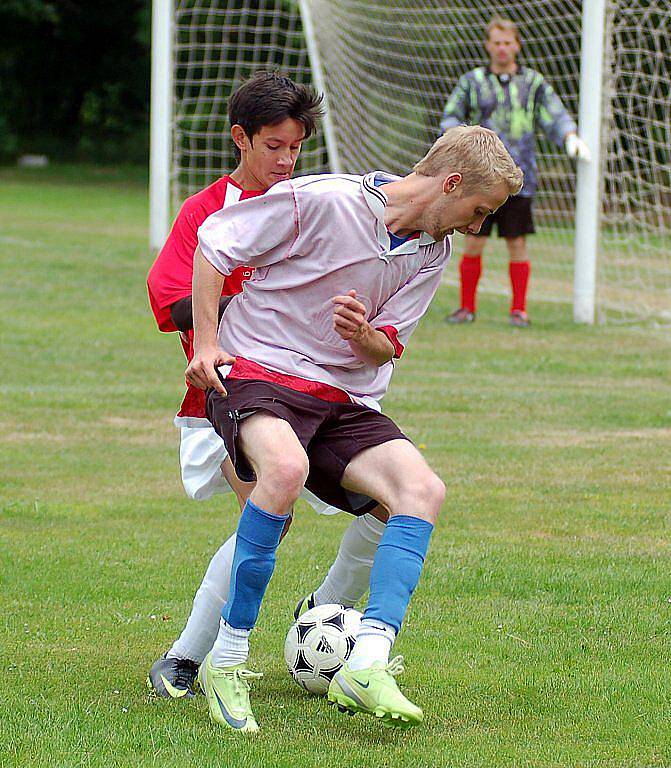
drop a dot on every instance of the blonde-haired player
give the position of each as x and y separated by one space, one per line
349 265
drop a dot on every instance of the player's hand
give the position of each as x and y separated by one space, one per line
202 370
349 316
576 147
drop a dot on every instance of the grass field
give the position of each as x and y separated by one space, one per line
540 634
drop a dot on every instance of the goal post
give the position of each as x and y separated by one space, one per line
160 129
603 240
335 166
588 187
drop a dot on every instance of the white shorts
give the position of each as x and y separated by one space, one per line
201 454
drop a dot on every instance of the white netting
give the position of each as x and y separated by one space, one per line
218 44
389 67
634 278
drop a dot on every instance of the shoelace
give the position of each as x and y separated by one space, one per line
185 673
241 678
396 666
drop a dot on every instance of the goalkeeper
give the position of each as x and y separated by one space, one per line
513 101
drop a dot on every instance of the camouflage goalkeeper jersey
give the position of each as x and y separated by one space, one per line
514 107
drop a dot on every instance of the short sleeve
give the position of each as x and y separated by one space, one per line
256 232
399 316
170 277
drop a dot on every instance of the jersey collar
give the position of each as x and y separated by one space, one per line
519 71
377 202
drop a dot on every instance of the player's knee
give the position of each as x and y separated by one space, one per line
438 492
286 477
294 472
428 492
435 496
517 248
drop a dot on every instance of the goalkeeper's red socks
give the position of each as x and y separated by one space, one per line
470 270
519 279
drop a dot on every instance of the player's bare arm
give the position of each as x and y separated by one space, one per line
349 321
208 355
181 312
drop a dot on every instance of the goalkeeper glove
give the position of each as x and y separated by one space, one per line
576 147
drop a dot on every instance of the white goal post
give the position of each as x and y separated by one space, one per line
588 176
603 239
160 134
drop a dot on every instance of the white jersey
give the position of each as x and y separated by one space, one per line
311 239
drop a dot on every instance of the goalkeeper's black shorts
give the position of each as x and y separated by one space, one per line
513 219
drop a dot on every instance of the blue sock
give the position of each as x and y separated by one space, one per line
258 535
397 568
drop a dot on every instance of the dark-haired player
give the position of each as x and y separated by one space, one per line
270 117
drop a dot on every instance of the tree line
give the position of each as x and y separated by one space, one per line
74 79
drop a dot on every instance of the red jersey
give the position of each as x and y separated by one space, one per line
171 274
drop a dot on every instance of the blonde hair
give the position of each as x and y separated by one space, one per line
498 22
478 154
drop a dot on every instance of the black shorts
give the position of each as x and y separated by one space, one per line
331 434
513 219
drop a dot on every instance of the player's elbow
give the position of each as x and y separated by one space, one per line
181 313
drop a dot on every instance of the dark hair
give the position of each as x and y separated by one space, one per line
268 98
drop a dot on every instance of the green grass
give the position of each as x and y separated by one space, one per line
540 633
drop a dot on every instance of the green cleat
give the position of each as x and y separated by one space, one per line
374 691
227 693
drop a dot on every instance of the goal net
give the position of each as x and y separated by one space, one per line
634 278
218 44
388 68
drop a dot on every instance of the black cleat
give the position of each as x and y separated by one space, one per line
460 316
173 678
519 319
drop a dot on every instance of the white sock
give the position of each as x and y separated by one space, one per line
373 643
231 646
201 629
348 578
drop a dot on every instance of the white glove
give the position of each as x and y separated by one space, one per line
576 147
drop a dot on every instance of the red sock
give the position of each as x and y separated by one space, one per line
470 270
519 279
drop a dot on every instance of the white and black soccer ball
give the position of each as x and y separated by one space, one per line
319 643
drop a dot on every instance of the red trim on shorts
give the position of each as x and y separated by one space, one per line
246 369
392 334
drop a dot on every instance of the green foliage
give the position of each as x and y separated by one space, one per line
34 11
74 79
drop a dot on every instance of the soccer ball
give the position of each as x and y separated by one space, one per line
319 643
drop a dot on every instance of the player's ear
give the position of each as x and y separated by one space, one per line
451 182
239 136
